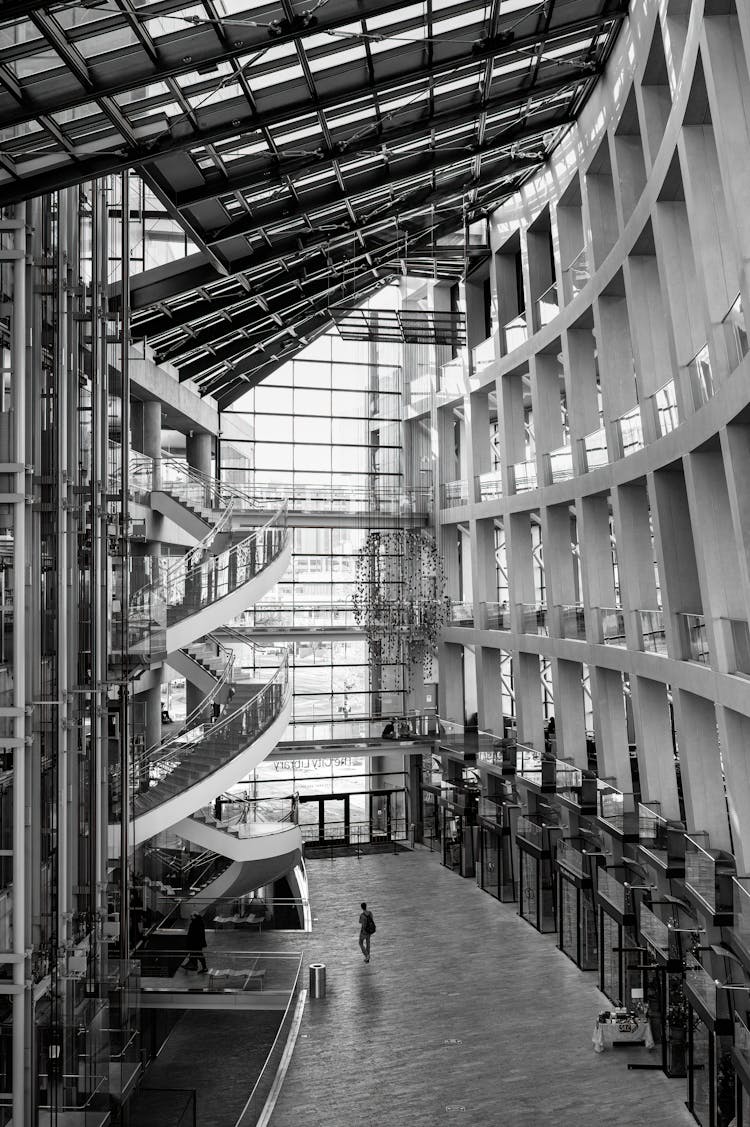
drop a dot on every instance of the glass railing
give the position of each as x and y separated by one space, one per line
196 490
453 377
612 626
742 1037
463 738
228 972
454 493
548 305
244 915
572 620
534 619
174 766
611 890
576 275
612 806
652 631
736 333
516 332
483 354
665 403
193 586
572 859
301 616
536 767
653 830
593 447
741 911
701 377
530 831
701 985
460 613
569 781
740 635
308 497
694 638
495 616
653 931
630 432
701 874
489 485
522 476
140 472
223 679
558 465
664 406
259 1097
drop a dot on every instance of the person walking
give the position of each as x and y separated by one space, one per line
196 941
366 929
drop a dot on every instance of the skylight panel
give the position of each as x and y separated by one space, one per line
259 82
337 58
463 22
347 119
579 46
392 19
310 135
461 83
159 26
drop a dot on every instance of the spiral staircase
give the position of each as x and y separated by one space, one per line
239 720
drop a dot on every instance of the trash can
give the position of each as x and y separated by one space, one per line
317 980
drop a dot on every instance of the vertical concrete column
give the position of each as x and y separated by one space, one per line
610 727
580 386
653 737
451 683
570 719
701 768
529 701
715 552
489 698
734 734
597 576
675 551
198 447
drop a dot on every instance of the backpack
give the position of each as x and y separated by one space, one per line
370 925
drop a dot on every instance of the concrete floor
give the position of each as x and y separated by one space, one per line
465 1015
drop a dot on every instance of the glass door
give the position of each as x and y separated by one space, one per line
334 819
380 816
325 819
489 861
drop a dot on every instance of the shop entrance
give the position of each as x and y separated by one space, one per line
325 818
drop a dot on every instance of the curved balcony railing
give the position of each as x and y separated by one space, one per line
224 679
181 762
196 581
195 488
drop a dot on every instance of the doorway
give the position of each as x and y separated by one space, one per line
325 818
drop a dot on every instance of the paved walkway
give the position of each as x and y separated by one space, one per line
465 1015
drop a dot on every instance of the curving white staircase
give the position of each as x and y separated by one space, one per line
171 620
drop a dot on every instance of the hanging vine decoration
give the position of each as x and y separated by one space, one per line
399 598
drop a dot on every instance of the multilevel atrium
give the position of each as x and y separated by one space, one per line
374 431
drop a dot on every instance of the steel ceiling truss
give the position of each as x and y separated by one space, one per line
311 150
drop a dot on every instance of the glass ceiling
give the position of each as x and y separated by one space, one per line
312 150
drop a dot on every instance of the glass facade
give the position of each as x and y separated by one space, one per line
329 439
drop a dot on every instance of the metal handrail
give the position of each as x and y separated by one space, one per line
178 752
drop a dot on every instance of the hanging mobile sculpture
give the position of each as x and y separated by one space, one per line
399 598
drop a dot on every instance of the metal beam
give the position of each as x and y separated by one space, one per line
205 51
181 135
414 165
